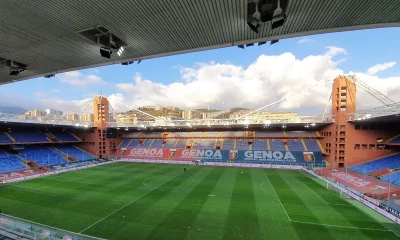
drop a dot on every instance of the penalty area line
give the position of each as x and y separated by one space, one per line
134 200
339 226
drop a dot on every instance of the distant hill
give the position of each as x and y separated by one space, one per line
13 110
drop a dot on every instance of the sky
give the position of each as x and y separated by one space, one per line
301 70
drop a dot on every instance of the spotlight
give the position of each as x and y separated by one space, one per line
249 44
241 46
261 43
50 76
105 52
120 50
274 41
127 63
278 18
139 61
16 71
255 21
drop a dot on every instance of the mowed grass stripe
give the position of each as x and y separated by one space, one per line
71 213
242 221
109 227
274 224
212 217
297 209
175 225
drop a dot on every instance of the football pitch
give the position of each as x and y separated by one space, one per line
161 201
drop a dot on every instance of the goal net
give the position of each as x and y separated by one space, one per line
338 191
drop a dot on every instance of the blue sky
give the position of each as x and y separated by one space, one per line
364 49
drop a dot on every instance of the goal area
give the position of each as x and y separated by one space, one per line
338 191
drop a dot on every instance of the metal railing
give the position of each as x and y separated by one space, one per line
36 231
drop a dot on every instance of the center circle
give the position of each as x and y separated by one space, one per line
162 180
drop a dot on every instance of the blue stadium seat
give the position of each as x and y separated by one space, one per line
228 144
204 144
23 137
42 155
74 152
146 143
312 145
157 143
396 140
295 145
392 162
393 178
4 138
181 143
276 145
10 163
170 143
125 143
134 143
64 136
242 144
259 144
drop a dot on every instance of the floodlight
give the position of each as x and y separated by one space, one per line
255 21
120 50
261 43
105 52
249 44
139 61
274 41
16 71
241 46
278 18
50 76
127 63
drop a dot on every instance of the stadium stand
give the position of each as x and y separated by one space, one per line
276 144
157 143
125 143
395 140
134 143
4 138
170 143
301 134
10 162
269 134
233 134
197 134
393 178
204 144
211 134
228 144
64 136
29 137
42 155
259 144
391 162
312 145
146 143
179 134
133 135
181 143
242 144
75 152
295 145
152 134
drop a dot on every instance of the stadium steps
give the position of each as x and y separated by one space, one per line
152 141
77 138
64 155
83 150
251 146
10 137
51 137
391 139
127 144
215 144
318 135
304 145
286 145
320 146
285 135
268 146
234 144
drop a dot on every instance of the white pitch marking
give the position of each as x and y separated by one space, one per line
338 226
278 197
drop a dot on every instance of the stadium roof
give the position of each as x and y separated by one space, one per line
46 35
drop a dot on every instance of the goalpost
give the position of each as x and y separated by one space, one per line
341 193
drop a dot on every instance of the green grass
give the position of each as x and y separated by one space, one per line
154 201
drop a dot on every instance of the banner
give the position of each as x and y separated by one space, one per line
212 155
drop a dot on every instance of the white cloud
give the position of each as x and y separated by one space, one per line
78 79
40 94
56 90
380 67
305 40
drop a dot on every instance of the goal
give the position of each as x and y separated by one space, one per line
338 191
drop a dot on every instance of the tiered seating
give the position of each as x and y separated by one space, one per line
396 140
179 134
133 135
301 134
204 144
4 138
312 145
42 155
125 143
233 134
24 137
276 145
10 163
393 178
134 143
146 143
74 152
181 143
269 134
64 136
242 144
259 144
152 134
157 143
295 145
391 162
228 144
211 134
170 143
